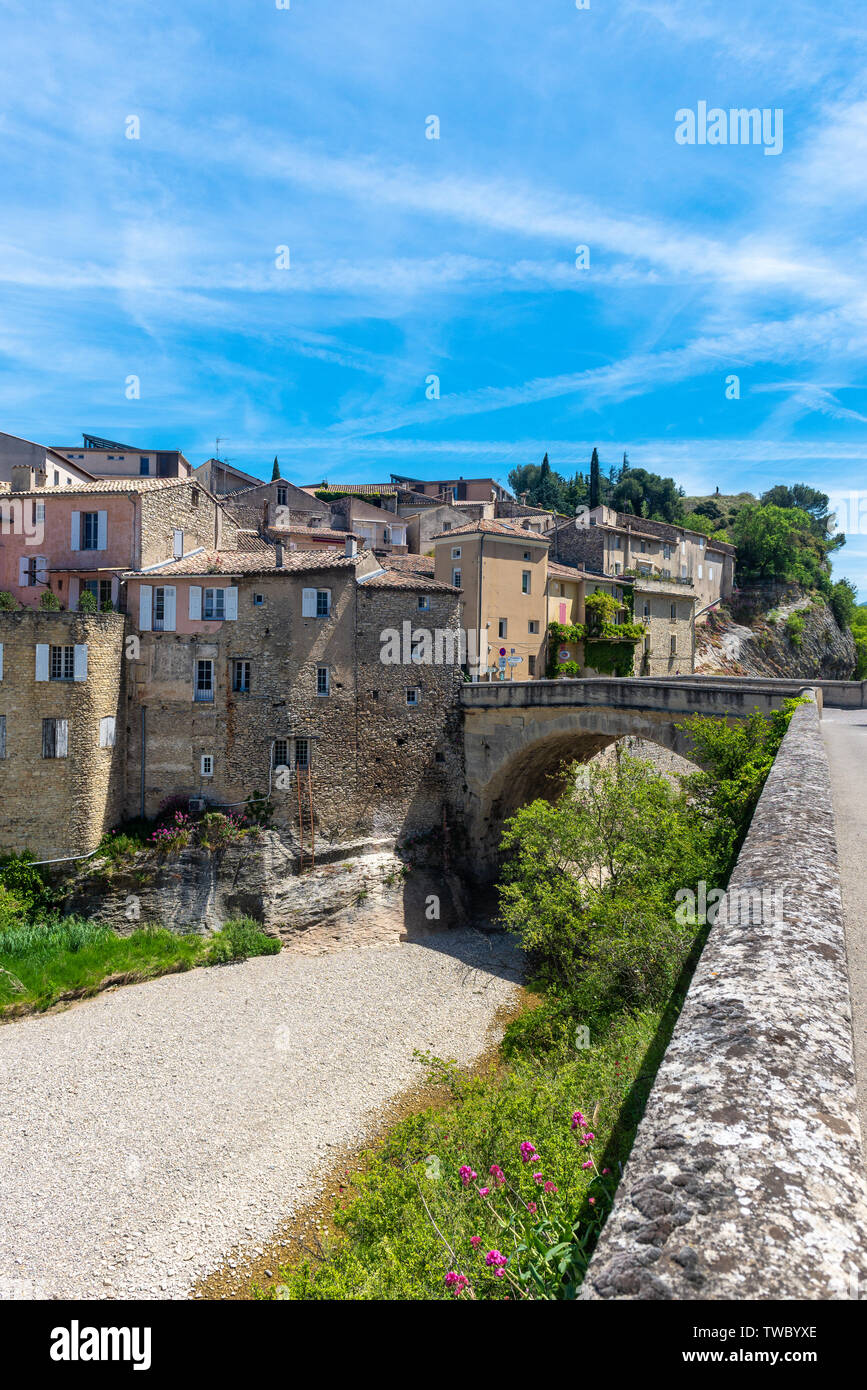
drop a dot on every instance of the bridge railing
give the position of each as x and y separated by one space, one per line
747 1177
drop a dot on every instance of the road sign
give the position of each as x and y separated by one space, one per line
515 660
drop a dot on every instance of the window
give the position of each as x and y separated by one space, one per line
214 605
456 552
386 535
302 752
89 530
555 588
56 478
241 673
281 752
39 513
456 578
531 665
194 497
107 731
683 571
701 543
101 591
144 467
642 546
159 609
673 645
701 571
447 525
674 612
315 603
533 625
666 552
646 612
710 572
55 738
423 603
207 764
204 680
525 581
617 567
323 681
62 663
527 555
258 600
282 495
617 543
502 627
413 695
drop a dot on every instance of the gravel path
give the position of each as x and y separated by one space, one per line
147 1132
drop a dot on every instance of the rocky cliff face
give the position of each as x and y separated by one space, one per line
775 630
365 894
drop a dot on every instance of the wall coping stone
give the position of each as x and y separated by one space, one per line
747 1175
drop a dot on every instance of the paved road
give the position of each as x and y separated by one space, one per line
845 735
147 1132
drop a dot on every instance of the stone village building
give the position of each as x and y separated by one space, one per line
239 666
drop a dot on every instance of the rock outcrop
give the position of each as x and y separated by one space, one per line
775 630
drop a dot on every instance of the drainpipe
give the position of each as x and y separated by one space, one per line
143 735
481 551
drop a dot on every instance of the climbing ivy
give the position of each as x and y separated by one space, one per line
610 658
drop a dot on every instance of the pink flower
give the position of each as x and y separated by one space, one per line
528 1151
456 1282
483 1191
532 1208
538 1177
467 1175
549 1187
588 1164
475 1241
577 1119
592 1201
496 1259
497 1174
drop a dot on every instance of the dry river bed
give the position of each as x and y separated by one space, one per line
150 1131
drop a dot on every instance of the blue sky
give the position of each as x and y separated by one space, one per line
410 257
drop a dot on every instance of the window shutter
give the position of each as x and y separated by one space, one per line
42 569
102 531
195 601
170 608
308 603
144 607
178 544
22 572
74 590
79 670
106 731
2 735
231 603
75 531
42 661
1 661
48 738
61 738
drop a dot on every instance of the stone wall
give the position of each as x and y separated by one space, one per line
186 508
60 806
747 1179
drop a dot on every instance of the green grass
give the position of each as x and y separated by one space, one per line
387 1244
40 962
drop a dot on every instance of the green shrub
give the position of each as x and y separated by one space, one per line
795 628
239 939
8 604
87 602
26 883
49 601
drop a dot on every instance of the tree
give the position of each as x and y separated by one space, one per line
780 543
276 470
647 494
594 480
806 499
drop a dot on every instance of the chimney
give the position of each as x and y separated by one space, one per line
25 477
351 546
278 556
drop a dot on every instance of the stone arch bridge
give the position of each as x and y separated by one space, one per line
518 735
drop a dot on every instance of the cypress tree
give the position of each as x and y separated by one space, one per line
276 473
594 480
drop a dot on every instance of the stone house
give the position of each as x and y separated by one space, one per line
86 535
104 458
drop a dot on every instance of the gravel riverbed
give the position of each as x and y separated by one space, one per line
148 1131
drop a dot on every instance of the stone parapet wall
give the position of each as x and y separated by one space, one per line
747 1177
